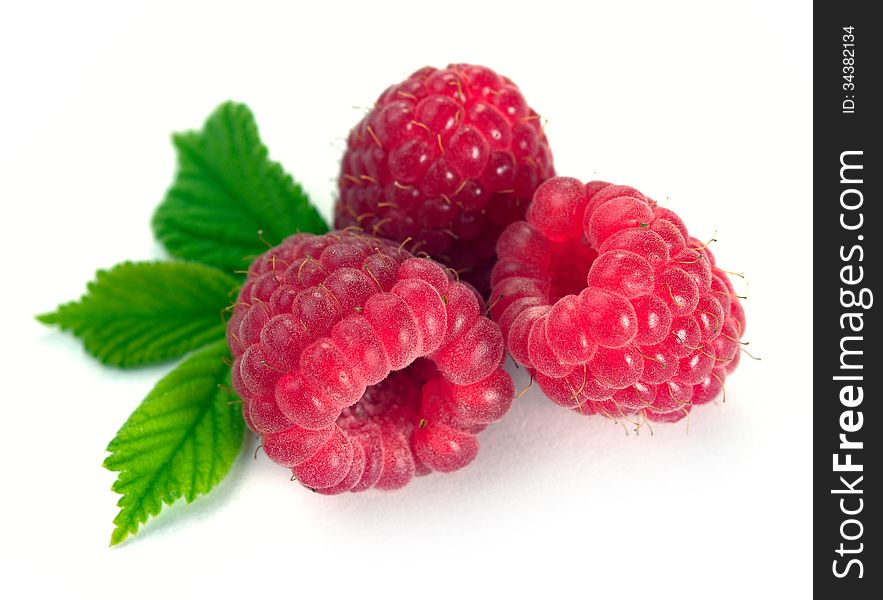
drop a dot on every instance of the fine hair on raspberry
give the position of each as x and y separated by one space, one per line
613 306
361 365
446 159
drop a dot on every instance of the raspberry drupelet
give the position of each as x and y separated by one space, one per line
446 160
612 305
362 366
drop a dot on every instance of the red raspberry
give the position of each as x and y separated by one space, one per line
362 366
611 304
447 158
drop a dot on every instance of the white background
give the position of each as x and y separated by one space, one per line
706 104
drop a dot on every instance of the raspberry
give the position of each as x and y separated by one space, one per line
362 366
612 305
446 159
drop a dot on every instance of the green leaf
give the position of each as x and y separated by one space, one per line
179 443
226 191
147 312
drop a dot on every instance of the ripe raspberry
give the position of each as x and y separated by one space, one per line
362 366
447 158
611 304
